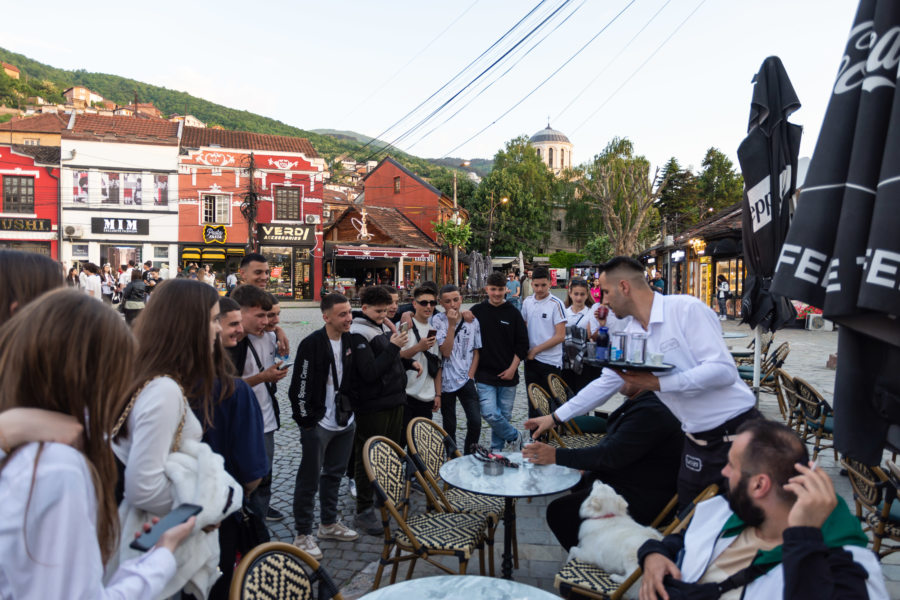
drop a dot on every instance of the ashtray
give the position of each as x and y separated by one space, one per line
493 468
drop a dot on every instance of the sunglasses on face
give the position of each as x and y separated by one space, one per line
426 302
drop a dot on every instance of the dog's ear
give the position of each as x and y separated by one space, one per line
621 505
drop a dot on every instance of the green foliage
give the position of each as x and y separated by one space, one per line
718 184
452 233
679 198
480 166
598 250
522 224
465 187
565 260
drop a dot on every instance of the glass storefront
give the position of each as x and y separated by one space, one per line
733 270
35 247
291 271
117 256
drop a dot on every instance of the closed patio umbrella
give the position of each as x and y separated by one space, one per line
842 252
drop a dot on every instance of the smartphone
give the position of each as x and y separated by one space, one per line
179 515
285 365
432 333
404 327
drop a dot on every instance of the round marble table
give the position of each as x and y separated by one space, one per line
733 335
467 473
459 587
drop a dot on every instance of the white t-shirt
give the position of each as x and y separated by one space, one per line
125 277
581 318
329 421
542 317
93 287
420 387
61 557
265 349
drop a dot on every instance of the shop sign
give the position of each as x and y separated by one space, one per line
120 226
25 225
214 234
678 255
304 234
374 252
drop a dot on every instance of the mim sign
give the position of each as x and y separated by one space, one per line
120 226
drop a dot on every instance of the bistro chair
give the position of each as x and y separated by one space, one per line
423 535
877 505
590 581
818 417
767 368
561 393
540 400
429 448
276 570
743 358
788 402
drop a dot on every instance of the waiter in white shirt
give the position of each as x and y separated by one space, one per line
703 391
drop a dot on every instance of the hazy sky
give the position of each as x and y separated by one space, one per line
333 64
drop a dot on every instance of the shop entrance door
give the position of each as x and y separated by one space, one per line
280 271
303 274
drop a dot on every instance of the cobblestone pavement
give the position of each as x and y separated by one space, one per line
352 564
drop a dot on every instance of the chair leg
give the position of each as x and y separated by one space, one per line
385 556
515 547
490 551
412 565
394 567
463 564
481 558
817 446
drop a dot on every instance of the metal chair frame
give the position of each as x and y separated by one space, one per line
874 493
562 392
814 411
540 400
327 589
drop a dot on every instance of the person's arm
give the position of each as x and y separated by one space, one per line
284 345
22 425
446 328
595 394
437 390
423 345
657 559
301 385
370 368
715 368
474 366
270 375
248 445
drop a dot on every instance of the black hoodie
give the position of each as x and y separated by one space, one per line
371 346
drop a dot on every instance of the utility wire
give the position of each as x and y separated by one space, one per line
641 66
459 74
511 67
614 58
410 61
548 78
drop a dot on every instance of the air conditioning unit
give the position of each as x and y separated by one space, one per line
73 231
818 323
313 219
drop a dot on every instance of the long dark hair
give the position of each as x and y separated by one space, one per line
173 341
23 277
582 283
43 369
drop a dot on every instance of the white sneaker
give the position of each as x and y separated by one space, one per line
516 444
338 531
308 544
352 487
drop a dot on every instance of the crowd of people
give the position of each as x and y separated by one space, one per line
90 457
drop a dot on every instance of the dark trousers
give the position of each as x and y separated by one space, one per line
262 495
415 408
325 456
702 463
468 398
537 372
578 381
388 423
228 543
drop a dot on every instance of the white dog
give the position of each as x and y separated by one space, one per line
608 537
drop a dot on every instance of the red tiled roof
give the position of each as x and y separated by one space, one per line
197 137
10 67
123 129
395 225
42 123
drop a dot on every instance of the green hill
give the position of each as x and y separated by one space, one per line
38 79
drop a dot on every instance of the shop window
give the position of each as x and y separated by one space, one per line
287 204
32 141
550 157
18 194
216 209
396 185
160 252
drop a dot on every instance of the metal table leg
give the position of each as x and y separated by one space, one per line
509 525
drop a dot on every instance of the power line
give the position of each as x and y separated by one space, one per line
641 66
479 76
549 77
603 70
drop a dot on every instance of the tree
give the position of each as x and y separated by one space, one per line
453 234
565 260
465 187
522 223
677 203
718 184
617 187
598 250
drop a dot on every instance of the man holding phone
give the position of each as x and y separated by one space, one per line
423 389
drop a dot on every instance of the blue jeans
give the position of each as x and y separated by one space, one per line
496 408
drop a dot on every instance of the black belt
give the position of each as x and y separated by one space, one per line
726 432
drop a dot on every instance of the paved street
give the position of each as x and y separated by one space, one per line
352 564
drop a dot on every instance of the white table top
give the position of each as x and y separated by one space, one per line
731 335
467 473
460 587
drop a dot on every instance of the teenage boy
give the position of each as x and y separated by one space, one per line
504 345
545 318
378 405
423 390
319 396
254 270
254 358
459 343
231 321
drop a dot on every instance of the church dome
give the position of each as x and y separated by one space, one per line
549 135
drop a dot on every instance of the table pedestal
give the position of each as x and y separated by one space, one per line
509 525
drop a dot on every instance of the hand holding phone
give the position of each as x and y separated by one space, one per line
404 327
151 536
283 366
432 333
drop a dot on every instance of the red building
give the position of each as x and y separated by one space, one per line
215 166
29 199
391 184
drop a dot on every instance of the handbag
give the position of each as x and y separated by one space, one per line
433 362
343 407
251 529
680 590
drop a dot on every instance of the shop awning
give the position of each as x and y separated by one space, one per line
213 254
372 252
235 251
190 254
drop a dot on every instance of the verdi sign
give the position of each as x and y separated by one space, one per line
293 234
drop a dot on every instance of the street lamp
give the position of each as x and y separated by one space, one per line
464 163
502 201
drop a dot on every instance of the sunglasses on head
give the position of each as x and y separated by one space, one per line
427 302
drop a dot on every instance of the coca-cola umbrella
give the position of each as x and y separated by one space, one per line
842 252
768 158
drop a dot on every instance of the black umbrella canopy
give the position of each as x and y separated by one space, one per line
768 158
842 252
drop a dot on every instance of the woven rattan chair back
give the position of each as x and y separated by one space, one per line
559 388
387 469
276 570
430 447
812 404
539 398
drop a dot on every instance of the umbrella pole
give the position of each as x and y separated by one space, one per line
757 342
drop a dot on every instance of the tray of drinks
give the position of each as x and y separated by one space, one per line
629 366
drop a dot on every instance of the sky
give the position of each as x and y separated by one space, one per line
363 66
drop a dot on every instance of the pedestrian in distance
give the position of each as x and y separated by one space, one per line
723 294
134 297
